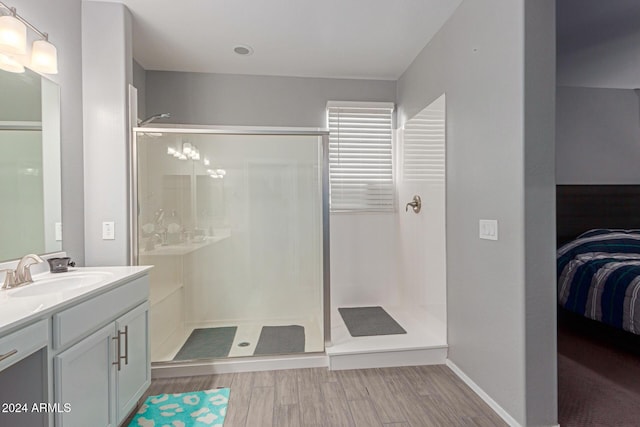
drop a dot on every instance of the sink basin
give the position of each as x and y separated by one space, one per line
60 284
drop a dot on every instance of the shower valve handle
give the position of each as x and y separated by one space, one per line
416 204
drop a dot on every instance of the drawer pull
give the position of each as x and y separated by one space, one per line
7 355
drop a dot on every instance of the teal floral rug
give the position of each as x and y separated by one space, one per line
194 409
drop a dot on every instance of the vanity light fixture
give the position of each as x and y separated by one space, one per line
13 44
44 57
216 174
188 151
13 34
9 64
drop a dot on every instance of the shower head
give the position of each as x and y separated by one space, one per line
154 117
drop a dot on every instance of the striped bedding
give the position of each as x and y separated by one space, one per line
599 277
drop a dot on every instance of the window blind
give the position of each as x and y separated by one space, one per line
360 156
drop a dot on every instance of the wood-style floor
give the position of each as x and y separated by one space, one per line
398 397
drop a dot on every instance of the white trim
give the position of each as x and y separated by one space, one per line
230 130
21 125
484 396
358 104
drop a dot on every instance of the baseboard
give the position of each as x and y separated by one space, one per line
388 358
484 396
249 364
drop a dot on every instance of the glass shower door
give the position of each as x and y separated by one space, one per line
234 227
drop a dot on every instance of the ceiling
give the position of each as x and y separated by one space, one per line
598 43
584 23
370 39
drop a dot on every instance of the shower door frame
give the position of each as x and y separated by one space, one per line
241 130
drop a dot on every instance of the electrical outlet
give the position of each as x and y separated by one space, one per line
108 230
489 229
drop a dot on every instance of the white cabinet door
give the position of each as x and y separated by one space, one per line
134 372
84 378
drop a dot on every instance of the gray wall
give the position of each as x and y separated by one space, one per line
224 99
61 19
140 83
598 136
541 373
498 167
106 28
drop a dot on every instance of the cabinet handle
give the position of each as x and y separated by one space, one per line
126 344
9 354
119 347
117 362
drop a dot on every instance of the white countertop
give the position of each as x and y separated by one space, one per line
17 311
181 248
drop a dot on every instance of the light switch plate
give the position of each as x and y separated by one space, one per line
489 229
108 230
58 231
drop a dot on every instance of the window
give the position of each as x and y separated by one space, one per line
360 156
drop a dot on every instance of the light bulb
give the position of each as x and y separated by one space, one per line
13 36
44 57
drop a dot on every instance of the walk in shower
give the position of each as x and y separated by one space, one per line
235 222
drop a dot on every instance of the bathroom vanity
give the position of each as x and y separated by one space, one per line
74 348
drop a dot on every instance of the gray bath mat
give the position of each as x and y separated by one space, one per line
280 340
369 321
207 343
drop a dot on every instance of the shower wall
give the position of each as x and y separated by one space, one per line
244 246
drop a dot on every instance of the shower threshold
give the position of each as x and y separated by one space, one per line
238 364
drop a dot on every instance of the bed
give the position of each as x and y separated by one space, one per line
599 277
598 234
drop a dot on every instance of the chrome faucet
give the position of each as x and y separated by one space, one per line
23 270
22 273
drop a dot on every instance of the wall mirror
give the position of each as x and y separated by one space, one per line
30 188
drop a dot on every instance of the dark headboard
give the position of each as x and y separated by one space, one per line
583 207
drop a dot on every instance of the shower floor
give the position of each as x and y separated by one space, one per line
247 332
424 331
